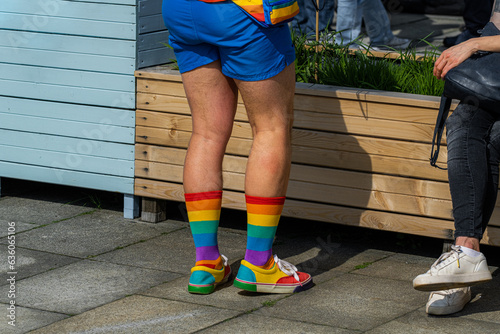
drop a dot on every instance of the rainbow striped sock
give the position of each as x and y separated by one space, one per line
203 213
263 217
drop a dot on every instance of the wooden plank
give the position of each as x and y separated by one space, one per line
307 155
369 95
46 10
305 138
66 145
316 192
101 132
70 161
364 126
149 7
152 40
436 228
71 112
65 60
159 72
153 210
123 185
155 56
302 103
151 23
69 26
65 77
66 43
311 174
96 97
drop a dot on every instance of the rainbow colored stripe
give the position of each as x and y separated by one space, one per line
267 12
204 213
263 217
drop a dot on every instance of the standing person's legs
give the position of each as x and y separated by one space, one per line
476 14
473 138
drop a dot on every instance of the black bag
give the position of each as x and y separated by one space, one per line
476 81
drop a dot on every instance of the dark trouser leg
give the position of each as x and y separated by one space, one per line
476 14
472 136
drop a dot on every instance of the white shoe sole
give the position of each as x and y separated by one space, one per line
446 282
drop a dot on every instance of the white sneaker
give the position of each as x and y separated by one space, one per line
454 269
447 301
395 43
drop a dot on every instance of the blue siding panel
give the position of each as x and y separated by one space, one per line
81 95
70 112
69 161
47 10
125 83
69 26
53 174
67 89
66 43
66 145
103 132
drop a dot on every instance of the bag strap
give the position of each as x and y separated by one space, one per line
444 109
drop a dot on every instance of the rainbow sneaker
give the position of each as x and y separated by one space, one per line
204 279
282 277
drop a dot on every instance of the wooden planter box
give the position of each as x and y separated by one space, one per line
360 157
67 89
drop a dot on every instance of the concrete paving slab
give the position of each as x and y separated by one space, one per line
350 301
139 314
84 285
174 251
485 303
35 211
256 324
225 296
29 263
27 319
17 227
419 322
92 234
398 266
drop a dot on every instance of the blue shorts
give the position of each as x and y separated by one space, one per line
202 33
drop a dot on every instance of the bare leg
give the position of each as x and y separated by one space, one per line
212 98
468 242
269 104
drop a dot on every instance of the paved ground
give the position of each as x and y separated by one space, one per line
82 268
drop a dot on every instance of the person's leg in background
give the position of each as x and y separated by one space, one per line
476 15
305 21
349 20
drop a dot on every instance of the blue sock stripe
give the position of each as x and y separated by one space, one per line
205 239
259 244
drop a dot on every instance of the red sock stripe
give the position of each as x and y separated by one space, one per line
204 195
265 200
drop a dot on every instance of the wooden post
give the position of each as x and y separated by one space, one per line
153 210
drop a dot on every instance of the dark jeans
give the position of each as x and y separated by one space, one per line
305 21
476 14
473 139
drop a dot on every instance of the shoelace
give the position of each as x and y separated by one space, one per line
224 260
287 268
455 250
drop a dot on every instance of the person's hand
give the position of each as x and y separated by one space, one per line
453 57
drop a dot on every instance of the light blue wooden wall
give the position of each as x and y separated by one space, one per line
67 88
